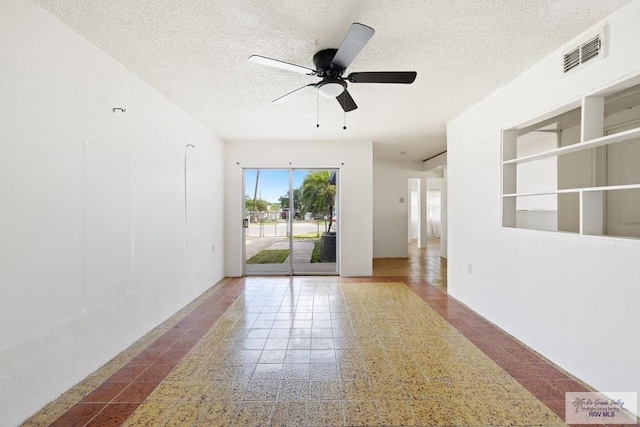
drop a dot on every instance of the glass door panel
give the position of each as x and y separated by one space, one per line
314 227
266 221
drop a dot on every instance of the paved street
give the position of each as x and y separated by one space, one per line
280 228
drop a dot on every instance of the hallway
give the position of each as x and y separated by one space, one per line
386 350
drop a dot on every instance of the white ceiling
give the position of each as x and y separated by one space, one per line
195 53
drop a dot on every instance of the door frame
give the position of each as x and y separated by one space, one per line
291 271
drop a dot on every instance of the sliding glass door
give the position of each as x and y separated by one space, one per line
290 221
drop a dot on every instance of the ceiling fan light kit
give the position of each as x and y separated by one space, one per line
331 88
332 63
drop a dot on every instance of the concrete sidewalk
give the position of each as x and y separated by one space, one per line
302 252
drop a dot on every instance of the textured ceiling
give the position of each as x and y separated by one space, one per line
195 53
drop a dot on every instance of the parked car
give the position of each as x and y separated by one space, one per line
284 214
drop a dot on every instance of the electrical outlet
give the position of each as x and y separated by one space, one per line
213 248
469 268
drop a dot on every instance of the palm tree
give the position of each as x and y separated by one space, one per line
578 403
318 194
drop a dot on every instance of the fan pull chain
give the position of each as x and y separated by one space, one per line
344 112
317 109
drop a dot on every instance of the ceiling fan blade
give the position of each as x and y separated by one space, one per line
262 60
405 77
346 101
357 36
286 97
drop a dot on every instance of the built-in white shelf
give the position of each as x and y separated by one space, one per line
590 149
586 145
575 190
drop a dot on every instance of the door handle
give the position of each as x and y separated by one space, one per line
245 223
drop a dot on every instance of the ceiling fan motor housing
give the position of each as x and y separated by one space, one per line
322 60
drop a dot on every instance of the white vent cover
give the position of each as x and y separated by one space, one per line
587 51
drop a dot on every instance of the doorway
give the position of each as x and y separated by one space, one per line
290 221
434 207
425 210
425 229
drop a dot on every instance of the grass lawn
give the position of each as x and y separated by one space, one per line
315 255
269 256
306 236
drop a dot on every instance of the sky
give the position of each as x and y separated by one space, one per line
273 183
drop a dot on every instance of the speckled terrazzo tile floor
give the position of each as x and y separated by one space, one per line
389 350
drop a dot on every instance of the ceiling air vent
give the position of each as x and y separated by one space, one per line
571 60
583 53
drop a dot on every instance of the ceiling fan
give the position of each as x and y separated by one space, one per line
331 64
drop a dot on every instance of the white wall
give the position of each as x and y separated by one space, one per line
572 298
390 216
353 159
92 209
